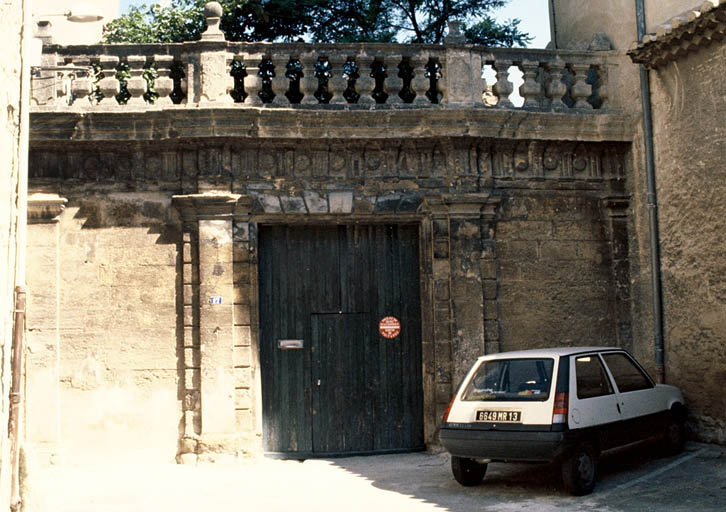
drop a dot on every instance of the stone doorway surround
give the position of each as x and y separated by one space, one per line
222 387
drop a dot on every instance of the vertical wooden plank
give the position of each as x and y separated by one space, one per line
383 416
265 292
368 353
413 335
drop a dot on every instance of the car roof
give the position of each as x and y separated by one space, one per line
548 352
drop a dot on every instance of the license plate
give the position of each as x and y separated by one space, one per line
499 416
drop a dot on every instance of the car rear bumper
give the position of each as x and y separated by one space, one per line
506 445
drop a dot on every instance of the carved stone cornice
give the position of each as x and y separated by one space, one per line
212 205
45 208
688 32
355 122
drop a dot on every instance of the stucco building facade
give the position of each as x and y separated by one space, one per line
206 270
13 185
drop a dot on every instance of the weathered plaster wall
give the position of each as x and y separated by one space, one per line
577 21
102 341
11 22
688 106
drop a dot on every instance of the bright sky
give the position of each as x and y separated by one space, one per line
533 13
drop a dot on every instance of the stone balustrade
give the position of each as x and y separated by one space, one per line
284 75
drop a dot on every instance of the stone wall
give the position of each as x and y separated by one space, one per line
691 179
555 272
515 238
103 325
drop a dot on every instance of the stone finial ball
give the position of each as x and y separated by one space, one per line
213 10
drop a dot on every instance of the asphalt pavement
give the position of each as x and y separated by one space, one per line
638 480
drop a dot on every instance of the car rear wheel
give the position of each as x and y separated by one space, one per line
467 472
675 434
579 470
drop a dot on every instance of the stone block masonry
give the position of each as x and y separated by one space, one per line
102 336
501 268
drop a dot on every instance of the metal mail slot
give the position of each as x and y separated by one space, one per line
289 344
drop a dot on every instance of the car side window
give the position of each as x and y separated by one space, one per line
591 378
627 375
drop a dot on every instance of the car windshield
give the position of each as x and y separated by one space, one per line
510 380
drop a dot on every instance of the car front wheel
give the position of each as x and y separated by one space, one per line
578 470
467 472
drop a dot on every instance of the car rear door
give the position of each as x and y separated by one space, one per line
593 403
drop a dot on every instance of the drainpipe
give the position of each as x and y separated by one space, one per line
655 267
16 371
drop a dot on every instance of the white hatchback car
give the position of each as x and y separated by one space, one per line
566 405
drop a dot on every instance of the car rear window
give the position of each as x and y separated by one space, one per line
592 381
510 380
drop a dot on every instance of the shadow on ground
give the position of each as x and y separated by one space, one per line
636 479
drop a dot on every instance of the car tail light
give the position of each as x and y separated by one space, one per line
448 409
559 411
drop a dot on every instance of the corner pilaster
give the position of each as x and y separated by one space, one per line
42 357
465 286
210 347
472 217
617 210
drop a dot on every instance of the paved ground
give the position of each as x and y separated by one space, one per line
636 481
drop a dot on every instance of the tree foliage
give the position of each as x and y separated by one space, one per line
417 21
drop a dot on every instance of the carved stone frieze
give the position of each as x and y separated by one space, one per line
424 163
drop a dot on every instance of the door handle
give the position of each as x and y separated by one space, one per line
619 411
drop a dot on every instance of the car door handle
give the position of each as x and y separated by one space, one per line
618 405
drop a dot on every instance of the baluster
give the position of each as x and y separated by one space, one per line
503 88
603 92
365 84
420 83
437 82
163 85
188 83
581 90
280 83
63 82
337 83
81 86
437 85
530 89
323 73
253 82
136 85
556 88
351 74
109 84
393 83
478 82
309 82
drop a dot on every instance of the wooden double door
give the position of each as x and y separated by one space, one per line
332 384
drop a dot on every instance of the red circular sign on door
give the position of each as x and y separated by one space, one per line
389 327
